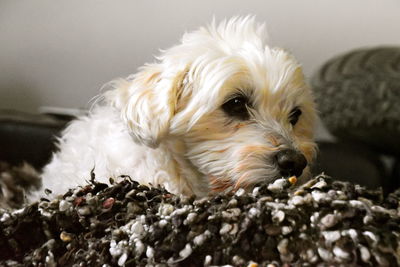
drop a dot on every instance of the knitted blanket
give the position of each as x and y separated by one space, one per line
324 222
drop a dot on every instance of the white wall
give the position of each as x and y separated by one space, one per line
59 53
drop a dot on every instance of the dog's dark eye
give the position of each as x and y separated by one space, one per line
237 107
294 116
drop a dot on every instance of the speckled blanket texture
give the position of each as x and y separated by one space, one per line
321 223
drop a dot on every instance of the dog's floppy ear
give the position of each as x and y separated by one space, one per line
151 100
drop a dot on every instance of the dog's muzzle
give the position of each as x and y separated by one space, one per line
290 162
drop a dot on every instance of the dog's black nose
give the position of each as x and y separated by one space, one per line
290 162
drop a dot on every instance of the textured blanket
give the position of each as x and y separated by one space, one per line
323 222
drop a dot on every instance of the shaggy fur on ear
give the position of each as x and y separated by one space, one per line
148 101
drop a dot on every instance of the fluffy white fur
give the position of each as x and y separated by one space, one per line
164 125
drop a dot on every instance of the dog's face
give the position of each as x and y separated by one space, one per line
239 111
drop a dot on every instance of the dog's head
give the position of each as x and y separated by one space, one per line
240 110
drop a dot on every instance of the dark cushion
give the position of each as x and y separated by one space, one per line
358 96
27 137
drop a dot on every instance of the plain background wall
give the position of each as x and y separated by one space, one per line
60 53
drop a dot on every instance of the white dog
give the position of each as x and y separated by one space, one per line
219 111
